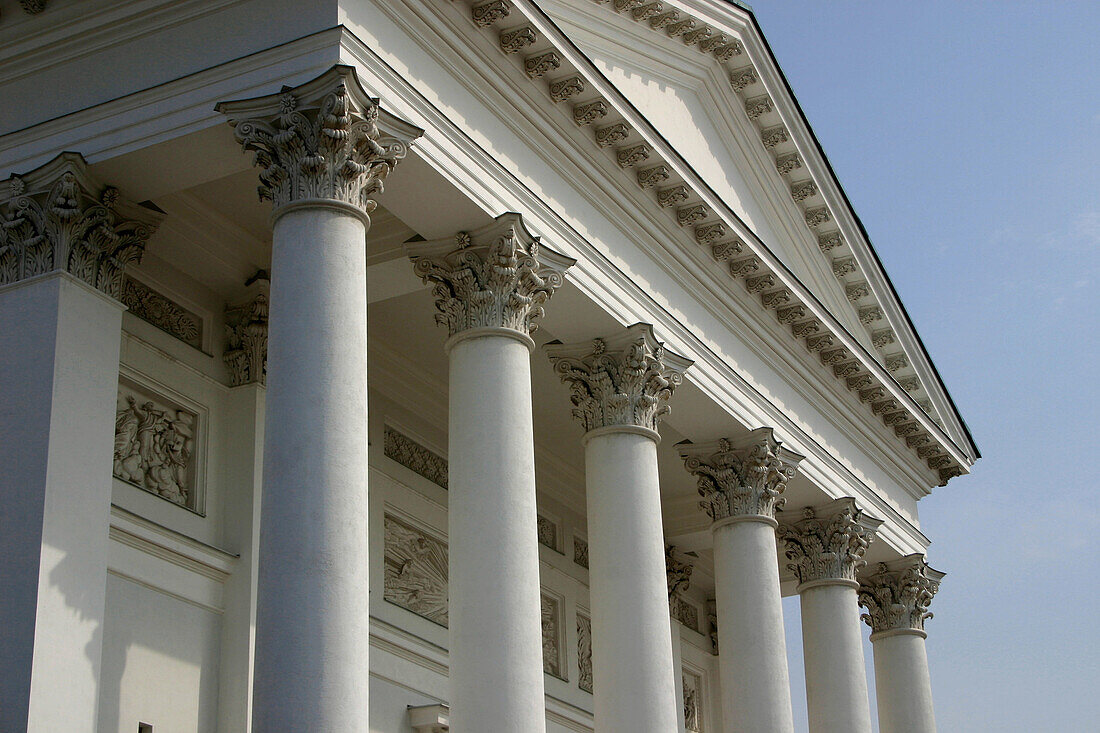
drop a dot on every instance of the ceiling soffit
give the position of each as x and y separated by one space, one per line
884 382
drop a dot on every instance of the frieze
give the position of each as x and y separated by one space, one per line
162 312
412 455
155 445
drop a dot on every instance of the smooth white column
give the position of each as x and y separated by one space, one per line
312 629
741 481
620 387
59 348
756 692
832 648
489 286
903 686
495 607
633 677
826 547
897 595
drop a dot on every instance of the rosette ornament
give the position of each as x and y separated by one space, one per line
743 476
621 380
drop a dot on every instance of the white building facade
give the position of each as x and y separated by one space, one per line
548 359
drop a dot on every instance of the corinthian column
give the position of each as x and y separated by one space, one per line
65 240
620 388
490 286
741 481
896 597
321 158
826 548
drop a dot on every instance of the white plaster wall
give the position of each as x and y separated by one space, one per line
160 662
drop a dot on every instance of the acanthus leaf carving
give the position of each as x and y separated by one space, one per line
622 380
828 542
741 477
497 277
898 593
246 337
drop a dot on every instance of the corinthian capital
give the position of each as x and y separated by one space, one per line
246 334
326 139
898 593
621 380
496 277
741 477
59 218
828 543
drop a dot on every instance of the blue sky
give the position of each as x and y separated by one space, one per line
967 135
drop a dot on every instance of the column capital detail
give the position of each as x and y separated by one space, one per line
829 542
743 476
624 380
497 277
59 218
326 139
897 594
246 334
677 571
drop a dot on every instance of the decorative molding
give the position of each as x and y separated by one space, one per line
829 541
415 570
161 311
580 552
514 40
155 441
803 190
537 66
743 476
621 380
610 134
552 637
563 89
320 140
486 14
588 112
898 593
58 218
496 277
584 652
412 455
246 335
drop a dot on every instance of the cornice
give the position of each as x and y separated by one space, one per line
723 232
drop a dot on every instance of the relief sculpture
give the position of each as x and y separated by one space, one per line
551 638
584 652
154 447
416 571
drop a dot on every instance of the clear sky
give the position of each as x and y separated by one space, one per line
967 135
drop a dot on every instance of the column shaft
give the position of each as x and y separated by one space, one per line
311 669
59 348
902 684
756 694
495 611
836 680
633 677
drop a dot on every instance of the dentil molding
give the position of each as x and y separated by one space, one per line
496 277
741 477
620 380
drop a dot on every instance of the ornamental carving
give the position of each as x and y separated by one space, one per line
742 476
155 445
536 66
772 136
551 637
246 338
829 542
649 177
623 380
415 571
161 311
589 112
486 14
677 572
57 218
320 140
898 593
496 277
584 652
787 162
611 134
412 455
548 533
580 552
693 717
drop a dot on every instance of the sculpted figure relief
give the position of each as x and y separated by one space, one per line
154 447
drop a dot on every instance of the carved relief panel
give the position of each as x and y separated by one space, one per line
412 455
580 552
415 571
163 312
549 533
155 445
551 637
693 702
584 652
